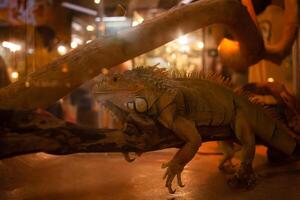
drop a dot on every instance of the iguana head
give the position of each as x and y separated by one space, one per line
141 85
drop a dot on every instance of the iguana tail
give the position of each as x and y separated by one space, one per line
267 128
282 139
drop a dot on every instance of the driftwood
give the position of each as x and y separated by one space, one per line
55 80
31 132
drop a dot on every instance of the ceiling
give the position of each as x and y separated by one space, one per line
129 5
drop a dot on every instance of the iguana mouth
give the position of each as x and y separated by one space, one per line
105 95
114 91
116 110
111 92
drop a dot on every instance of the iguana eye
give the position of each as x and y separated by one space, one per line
141 104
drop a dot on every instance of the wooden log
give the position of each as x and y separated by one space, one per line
28 132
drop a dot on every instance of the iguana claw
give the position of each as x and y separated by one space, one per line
243 178
179 181
227 167
171 191
172 171
242 182
127 157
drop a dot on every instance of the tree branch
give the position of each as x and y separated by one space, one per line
51 82
23 133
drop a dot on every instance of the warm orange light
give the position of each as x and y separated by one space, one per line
15 75
74 44
227 45
138 19
271 80
65 68
104 71
200 45
27 84
90 28
62 50
230 54
183 40
13 47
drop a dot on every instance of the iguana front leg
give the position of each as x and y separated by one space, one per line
186 130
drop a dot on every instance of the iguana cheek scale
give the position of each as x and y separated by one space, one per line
139 105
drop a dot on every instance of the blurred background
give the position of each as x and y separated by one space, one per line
35 32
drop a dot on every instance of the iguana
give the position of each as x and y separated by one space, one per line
183 103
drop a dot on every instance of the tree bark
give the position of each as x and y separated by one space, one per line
29 132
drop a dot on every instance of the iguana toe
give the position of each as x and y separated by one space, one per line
227 168
242 180
179 181
173 170
127 157
169 181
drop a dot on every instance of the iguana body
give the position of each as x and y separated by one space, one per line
181 104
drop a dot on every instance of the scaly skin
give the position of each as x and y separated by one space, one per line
182 104
288 102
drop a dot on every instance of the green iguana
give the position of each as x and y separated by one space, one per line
183 103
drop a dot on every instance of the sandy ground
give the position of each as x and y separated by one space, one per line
108 176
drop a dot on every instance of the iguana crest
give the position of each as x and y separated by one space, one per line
164 77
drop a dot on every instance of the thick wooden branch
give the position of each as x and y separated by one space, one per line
279 51
53 81
23 133
233 54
